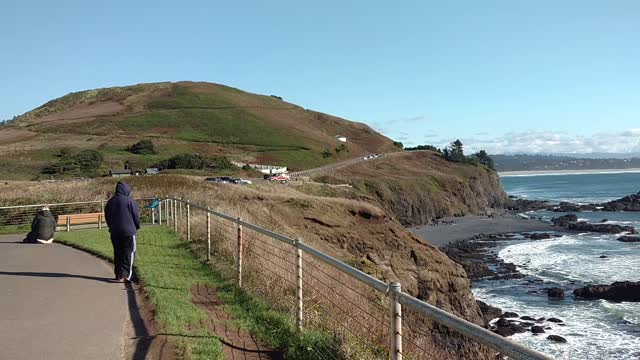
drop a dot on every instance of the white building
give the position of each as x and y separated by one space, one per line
341 138
265 169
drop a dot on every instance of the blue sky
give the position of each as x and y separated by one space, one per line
544 76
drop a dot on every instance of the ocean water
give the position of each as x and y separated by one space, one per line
594 329
581 188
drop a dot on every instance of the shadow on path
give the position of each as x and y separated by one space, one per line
56 275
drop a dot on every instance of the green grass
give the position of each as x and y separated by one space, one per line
168 269
15 229
224 126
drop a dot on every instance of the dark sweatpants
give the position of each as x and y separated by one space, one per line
124 252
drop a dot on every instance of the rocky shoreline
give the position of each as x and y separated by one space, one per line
478 257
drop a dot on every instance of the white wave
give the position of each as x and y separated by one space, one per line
589 332
576 258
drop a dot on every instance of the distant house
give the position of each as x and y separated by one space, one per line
265 169
341 138
120 173
151 171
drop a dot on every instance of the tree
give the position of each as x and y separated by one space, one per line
457 151
398 144
142 147
485 159
340 148
326 153
84 163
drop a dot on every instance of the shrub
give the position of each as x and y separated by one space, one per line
85 163
196 162
398 144
142 147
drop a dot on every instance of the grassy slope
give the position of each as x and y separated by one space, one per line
168 270
183 117
418 187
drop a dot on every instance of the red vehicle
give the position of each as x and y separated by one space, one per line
281 178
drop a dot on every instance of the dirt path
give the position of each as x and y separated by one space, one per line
238 344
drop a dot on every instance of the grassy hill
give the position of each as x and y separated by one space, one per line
210 119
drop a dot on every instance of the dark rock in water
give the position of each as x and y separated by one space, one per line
509 315
618 291
504 331
510 266
488 312
564 221
555 293
506 328
600 228
537 330
554 320
527 318
557 338
540 236
526 324
628 238
548 328
603 256
604 220
541 319
627 203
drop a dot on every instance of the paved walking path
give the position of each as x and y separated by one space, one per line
59 303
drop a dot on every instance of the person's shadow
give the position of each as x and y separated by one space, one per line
55 275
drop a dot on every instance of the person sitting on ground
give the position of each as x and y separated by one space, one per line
43 227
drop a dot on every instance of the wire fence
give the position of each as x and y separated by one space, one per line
20 217
351 314
356 315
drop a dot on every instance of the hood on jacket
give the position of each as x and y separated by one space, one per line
45 213
122 188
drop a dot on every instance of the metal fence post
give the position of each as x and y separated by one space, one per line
101 212
153 217
169 210
239 262
396 322
175 215
68 223
188 222
159 213
208 235
298 285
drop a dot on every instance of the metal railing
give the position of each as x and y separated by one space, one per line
21 216
367 317
355 314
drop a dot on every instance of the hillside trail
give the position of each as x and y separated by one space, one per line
347 163
237 343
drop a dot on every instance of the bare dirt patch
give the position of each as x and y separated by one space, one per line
238 344
11 136
83 112
145 340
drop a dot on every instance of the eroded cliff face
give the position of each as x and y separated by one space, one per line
418 187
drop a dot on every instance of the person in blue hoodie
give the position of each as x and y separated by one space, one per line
123 219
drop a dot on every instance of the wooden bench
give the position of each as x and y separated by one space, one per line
80 220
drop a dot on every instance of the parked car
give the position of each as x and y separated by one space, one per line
281 178
221 179
240 181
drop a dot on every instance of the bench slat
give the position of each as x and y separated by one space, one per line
78 219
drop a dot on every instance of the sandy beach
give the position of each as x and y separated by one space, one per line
466 227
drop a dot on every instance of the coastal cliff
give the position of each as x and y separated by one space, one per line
418 187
